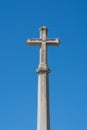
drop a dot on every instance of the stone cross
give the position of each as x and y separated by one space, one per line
43 114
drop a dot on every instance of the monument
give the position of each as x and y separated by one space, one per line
43 114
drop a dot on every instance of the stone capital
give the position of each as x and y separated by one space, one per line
42 70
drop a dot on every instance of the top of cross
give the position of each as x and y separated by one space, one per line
43 38
43 33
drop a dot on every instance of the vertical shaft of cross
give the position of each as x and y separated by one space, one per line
43 48
43 119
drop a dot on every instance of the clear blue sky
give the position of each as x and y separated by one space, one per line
19 20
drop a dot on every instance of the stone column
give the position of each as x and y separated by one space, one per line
43 116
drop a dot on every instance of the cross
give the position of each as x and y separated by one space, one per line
43 114
43 42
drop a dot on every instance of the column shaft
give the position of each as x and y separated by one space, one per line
43 119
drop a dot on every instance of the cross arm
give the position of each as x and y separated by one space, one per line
53 42
34 42
49 42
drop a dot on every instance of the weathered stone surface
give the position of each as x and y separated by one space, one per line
43 114
43 120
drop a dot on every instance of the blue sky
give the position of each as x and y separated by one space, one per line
66 20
